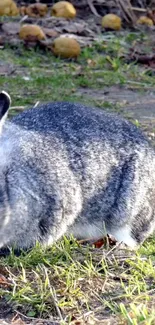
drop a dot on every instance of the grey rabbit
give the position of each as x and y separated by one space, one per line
70 169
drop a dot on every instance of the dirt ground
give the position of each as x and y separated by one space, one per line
133 104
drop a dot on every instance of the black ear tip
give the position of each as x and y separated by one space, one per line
5 102
6 97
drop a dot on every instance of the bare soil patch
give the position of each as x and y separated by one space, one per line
133 104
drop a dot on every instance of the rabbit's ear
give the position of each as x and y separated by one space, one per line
5 102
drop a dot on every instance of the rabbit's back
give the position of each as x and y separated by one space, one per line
92 143
80 122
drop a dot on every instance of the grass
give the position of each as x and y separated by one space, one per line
70 282
40 76
75 282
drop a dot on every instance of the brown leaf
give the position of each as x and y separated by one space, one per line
18 321
99 243
50 32
3 281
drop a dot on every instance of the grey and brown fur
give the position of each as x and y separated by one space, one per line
70 169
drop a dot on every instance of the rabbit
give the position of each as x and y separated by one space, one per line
67 169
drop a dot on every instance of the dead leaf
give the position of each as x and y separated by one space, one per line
50 32
110 240
11 28
91 63
3 281
6 69
99 243
18 321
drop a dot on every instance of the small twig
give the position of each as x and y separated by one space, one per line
137 9
17 108
92 8
136 82
11 72
128 14
23 19
36 104
21 108
84 316
34 318
113 248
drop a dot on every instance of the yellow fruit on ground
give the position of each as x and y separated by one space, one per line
29 31
37 10
144 20
8 8
14 11
111 21
63 9
66 47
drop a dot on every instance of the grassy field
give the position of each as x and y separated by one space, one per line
74 283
